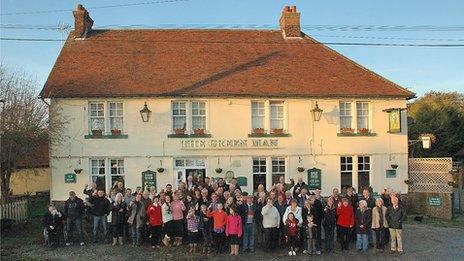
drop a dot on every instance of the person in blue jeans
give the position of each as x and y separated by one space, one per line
100 209
248 211
73 210
363 221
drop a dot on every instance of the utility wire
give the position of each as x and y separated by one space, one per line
246 42
93 8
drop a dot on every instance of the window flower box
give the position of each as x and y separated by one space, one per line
179 131
258 130
346 130
277 131
363 131
198 131
97 132
116 132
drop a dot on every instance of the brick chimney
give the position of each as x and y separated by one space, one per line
290 22
82 22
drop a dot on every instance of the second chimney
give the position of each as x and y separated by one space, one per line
290 22
82 22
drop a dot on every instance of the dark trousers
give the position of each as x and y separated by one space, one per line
379 238
329 237
271 237
293 242
206 237
155 232
220 242
344 237
74 224
117 230
318 236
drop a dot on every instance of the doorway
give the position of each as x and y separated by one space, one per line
183 168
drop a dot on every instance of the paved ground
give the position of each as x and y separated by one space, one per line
430 240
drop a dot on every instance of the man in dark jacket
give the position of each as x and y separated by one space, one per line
396 215
318 214
298 186
370 204
100 210
73 210
248 213
363 219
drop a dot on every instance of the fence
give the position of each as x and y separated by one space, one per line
17 210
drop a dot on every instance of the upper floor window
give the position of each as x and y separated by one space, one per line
97 116
362 111
277 114
179 115
258 114
198 115
116 115
345 115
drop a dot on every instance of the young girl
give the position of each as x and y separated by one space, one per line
292 232
167 220
192 229
234 230
155 221
205 228
219 226
311 235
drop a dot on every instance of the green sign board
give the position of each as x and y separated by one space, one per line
391 173
242 181
148 179
434 201
70 178
314 179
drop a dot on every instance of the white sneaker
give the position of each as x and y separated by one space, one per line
294 253
82 243
305 251
290 253
68 244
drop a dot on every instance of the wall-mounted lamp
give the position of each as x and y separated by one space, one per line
145 113
317 113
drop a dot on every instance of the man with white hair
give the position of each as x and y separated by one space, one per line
363 219
396 215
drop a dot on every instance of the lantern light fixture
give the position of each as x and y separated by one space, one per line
317 112
145 113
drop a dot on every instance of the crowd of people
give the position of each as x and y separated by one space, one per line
218 217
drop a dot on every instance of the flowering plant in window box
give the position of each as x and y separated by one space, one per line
97 132
300 169
277 131
199 131
258 130
346 130
115 132
363 131
179 131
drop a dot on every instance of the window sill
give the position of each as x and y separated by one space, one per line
106 136
189 136
265 135
370 134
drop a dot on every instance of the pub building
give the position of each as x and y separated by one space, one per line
156 106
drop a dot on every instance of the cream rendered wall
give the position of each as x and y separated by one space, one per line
147 145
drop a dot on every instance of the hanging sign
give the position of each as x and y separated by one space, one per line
148 179
70 178
394 119
314 179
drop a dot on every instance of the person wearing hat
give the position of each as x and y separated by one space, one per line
73 210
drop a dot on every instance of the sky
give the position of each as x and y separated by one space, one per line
420 69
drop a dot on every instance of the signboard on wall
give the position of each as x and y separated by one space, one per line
70 178
391 173
148 178
314 179
434 201
394 120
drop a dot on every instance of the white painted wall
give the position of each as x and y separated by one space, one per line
229 119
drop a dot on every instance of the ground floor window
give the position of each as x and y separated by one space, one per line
259 172
364 167
105 172
346 171
278 169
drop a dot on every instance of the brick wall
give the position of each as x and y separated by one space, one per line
417 203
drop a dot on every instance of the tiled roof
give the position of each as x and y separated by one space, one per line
131 63
38 158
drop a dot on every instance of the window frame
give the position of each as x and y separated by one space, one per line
273 118
362 170
201 116
365 107
90 117
179 109
118 116
345 115
346 171
107 175
253 115
279 172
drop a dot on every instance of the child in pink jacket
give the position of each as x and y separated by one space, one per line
234 230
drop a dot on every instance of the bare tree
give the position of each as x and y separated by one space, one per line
24 123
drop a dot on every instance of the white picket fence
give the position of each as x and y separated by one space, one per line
16 210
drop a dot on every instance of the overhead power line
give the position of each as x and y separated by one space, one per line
246 42
93 8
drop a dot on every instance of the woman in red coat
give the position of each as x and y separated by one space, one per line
345 221
156 222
